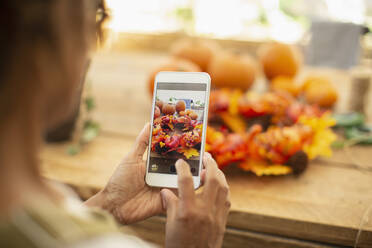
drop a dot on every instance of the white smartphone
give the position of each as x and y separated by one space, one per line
178 126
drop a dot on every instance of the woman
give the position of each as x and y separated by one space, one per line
44 47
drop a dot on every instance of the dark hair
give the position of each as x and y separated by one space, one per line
26 25
32 21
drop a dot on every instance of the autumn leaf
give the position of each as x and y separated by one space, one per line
323 136
188 152
234 101
235 122
208 147
214 136
200 126
262 168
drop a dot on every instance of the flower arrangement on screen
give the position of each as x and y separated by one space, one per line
176 131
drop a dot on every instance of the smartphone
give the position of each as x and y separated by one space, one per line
178 126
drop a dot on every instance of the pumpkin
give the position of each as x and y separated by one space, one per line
198 51
180 106
278 59
168 109
230 70
156 112
319 90
193 115
159 104
173 65
284 83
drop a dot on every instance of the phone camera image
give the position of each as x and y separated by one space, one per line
177 126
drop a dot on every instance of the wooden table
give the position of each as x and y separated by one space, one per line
324 207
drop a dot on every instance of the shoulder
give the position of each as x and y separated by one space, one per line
41 223
113 241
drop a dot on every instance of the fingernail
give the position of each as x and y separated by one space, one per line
178 164
179 161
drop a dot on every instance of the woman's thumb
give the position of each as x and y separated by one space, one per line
168 198
141 143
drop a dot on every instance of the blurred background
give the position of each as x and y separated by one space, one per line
250 20
245 20
331 39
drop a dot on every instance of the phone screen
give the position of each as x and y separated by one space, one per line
177 130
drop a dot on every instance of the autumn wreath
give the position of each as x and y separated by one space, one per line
268 134
176 131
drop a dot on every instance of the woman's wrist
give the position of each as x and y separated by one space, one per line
98 200
105 201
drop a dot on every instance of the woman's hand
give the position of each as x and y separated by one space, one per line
126 195
197 220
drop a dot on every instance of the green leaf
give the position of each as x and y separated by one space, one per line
186 14
349 120
89 134
352 133
90 103
91 124
338 144
365 128
262 18
357 136
73 149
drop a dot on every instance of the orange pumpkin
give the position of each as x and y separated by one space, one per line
278 59
173 65
284 83
231 70
319 90
198 51
180 106
168 109
193 115
157 112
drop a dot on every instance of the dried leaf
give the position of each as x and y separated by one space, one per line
188 152
323 135
234 102
261 168
235 122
